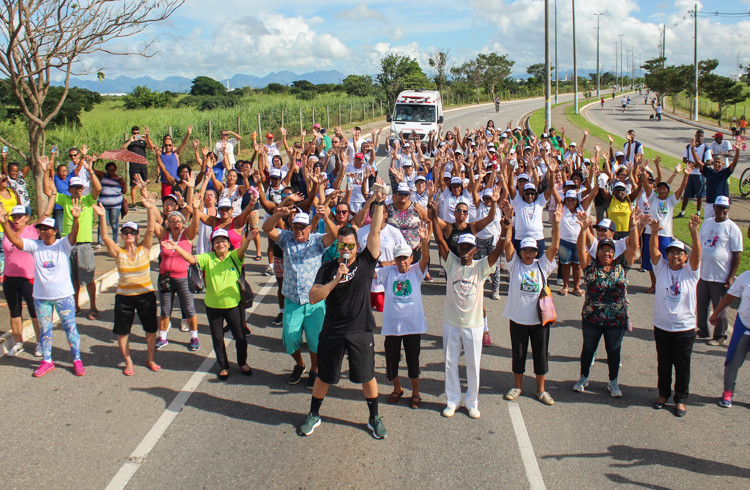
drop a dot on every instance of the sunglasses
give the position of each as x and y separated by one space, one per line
342 211
128 231
44 228
462 211
222 210
342 246
72 155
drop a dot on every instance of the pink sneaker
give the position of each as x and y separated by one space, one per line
44 368
486 339
78 368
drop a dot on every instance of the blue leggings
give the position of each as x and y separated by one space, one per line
66 310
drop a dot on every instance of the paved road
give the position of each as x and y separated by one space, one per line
667 136
64 432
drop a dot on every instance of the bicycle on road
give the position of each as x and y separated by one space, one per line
497 104
745 183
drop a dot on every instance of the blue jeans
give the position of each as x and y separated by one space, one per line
66 310
58 214
612 342
113 221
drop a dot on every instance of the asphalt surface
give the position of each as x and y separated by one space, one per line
67 432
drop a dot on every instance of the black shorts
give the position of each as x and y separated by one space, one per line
127 306
138 169
696 187
17 290
359 346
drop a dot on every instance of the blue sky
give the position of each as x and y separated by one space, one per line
256 37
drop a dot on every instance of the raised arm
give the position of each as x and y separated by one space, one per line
493 257
170 245
10 233
439 239
269 226
373 238
581 244
695 251
184 140
683 184
112 248
555 242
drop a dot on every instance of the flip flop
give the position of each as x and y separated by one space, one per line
153 366
650 290
258 258
128 371
395 397
563 292
577 292
93 315
416 401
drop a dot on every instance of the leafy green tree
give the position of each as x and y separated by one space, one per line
399 72
143 97
494 68
358 85
722 90
276 88
207 86
439 62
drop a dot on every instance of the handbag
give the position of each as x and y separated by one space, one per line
164 282
545 306
196 282
246 292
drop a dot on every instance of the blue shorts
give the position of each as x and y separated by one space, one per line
568 253
664 241
302 318
696 187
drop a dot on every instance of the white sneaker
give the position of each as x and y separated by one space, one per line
512 394
18 347
581 385
449 411
38 350
474 413
495 294
184 327
545 398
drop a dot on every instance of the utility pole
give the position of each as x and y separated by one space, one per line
632 67
575 68
695 63
621 88
598 88
547 83
617 76
557 71
627 64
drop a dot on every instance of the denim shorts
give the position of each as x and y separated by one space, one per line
568 253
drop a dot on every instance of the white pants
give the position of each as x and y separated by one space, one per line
708 211
471 340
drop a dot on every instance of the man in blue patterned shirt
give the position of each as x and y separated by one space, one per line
303 253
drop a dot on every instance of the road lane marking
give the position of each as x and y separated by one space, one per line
528 457
141 452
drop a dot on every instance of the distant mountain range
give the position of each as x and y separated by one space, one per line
123 84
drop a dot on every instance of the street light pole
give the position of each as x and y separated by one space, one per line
547 84
598 88
557 71
575 68
695 63
621 88
617 76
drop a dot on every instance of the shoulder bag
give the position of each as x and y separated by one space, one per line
247 297
545 306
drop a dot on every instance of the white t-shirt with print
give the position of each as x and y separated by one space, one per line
703 152
569 225
663 210
528 221
492 230
741 289
448 202
464 298
718 241
524 286
675 298
51 268
390 236
403 313
355 176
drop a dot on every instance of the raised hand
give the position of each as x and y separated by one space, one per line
586 132
3 215
84 149
98 209
191 180
196 143
430 189
425 230
497 191
75 209
190 129
283 132
205 151
197 201
584 219
169 245
44 162
695 223
558 214
677 167
611 139
284 211
689 167
139 182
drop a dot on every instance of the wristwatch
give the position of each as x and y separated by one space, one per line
378 203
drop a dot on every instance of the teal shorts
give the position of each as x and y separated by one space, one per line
302 318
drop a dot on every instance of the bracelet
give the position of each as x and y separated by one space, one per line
377 203
504 237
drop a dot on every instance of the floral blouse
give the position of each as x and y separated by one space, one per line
606 301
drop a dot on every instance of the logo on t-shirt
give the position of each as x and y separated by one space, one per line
348 276
712 240
674 291
48 264
529 282
402 288
662 209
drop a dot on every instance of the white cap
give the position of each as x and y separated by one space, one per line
459 151
274 172
529 187
722 201
219 232
402 250
75 181
408 163
619 154
420 177
528 242
467 238
503 135
487 193
677 244
224 203
407 144
131 224
447 175
569 183
523 176
313 158
403 188
491 144
545 135
46 222
586 160
607 224
518 128
330 191
572 143
571 195
620 185
456 180
301 219
18 210
492 149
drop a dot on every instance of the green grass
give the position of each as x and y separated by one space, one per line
680 227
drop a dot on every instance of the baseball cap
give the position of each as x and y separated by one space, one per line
606 223
316 126
274 172
529 187
269 135
664 183
523 176
49 222
313 158
620 185
220 232
403 188
608 242
677 244
528 242
545 135
527 147
487 193
224 203
456 180
447 175
401 250
330 191
301 218
619 154
572 143
420 177
359 155
722 201
408 163
518 128
134 226
459 151
169 196
719 135
569 183
467 238
75 182
18 210
503 135
571 195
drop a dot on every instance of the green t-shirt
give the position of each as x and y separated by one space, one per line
327 142
85 221
222 290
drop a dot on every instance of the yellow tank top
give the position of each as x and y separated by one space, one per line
8 205
135 276
619 213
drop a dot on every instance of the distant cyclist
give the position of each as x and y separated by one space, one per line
497 104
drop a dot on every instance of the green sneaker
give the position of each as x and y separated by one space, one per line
377 427
310 423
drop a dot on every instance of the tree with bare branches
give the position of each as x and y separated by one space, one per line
47 38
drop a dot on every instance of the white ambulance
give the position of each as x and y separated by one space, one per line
418 111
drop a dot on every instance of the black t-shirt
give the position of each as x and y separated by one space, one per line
138 147
348 307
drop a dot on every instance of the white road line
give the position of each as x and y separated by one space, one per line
140 453
528 457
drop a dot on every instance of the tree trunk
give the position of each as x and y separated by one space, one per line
36 137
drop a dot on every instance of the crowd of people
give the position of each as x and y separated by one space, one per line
343 241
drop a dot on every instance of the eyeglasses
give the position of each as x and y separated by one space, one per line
462 211
606 252
168 146
675 252
128 231
44 228
342 211
73 155
342 246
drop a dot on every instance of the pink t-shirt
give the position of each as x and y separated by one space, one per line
17 262
173 262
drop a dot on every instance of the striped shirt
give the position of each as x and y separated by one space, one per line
135 275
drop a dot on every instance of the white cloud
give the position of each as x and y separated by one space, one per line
360 13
